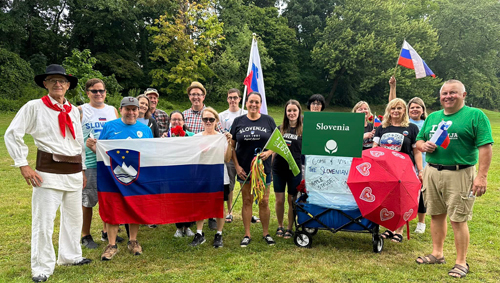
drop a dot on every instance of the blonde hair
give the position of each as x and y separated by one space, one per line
359 104
211 110
386 122
418 101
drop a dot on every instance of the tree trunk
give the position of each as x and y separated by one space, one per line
334 87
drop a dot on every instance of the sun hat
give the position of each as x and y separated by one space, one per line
196 85
55 69
152 90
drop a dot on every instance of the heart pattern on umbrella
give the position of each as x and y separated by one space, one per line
364 168
377 153
398 155
407 214
386 214
367 195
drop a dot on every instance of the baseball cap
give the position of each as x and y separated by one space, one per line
129 101
152 90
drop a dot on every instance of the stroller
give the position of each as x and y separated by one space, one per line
312 215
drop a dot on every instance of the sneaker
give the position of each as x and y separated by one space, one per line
134 247
178 234
109 252
212 224
218 241
188 233
269 240
104 237
246 240
420 228
39 278
198 240
153 226
88 242
83 261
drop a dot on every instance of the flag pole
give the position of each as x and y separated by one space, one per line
397 61
254 37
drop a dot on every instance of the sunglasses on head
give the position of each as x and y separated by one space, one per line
151 89
208 119
95 91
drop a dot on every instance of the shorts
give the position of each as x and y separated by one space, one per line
268 180
449 192
226 192
286 179
89 193
231 172
421 204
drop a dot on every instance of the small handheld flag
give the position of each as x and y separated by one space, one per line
440 137
377 122
277 144
410 59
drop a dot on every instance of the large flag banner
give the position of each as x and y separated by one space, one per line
278 144
410 59
160 181
255 79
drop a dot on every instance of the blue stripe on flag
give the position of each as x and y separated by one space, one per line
405 53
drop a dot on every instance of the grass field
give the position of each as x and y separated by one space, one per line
341 257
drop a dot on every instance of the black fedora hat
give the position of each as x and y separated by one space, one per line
55 69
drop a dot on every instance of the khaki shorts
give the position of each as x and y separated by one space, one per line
449 192
89 194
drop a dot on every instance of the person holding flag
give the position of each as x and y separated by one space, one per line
451 184
291 130
250 134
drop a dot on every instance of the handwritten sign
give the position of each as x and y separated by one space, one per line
326 181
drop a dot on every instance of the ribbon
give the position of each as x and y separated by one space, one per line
258 178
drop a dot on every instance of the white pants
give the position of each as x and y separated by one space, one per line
45 203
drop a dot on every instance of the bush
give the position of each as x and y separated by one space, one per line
15 75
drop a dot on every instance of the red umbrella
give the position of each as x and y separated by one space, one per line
385 187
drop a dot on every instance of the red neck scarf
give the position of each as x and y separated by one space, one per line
64 119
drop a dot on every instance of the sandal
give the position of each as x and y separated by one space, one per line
397 238
229 218
387 234
288 234
459 270
430 259
255 219
279 232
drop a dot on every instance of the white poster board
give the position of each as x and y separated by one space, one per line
326 182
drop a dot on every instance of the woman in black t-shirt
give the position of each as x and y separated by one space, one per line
250 133
363 107
397 133
291 129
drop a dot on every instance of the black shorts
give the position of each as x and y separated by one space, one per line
226 192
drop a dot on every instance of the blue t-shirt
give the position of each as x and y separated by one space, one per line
419 124
116 129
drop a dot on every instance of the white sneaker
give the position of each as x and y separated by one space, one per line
188 233
420 228
178 234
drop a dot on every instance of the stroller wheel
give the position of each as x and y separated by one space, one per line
303 239
378 243
311 231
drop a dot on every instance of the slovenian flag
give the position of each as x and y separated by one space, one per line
410 59
160 181
255 79
441 137
376 122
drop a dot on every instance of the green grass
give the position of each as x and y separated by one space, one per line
341 257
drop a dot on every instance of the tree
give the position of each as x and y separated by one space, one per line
185 43
15 74
360 45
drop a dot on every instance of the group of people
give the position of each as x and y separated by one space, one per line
66 138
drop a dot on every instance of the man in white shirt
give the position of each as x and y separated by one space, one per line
226 119
58 179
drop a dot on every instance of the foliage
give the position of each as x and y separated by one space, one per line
360 43
81 64
15 74
185 43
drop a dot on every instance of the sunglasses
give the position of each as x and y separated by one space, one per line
208 119
152 89
95 91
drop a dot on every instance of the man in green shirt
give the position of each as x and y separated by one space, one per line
450 182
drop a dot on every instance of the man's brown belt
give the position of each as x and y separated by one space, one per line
58 164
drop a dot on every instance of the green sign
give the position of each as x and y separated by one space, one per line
277 144
333 134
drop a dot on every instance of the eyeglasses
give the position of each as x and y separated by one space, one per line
316 103
233 97
55 81
176 120
208 119
196 94
95 91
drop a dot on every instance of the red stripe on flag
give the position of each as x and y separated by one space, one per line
446 142
407 63
248 82
160 208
